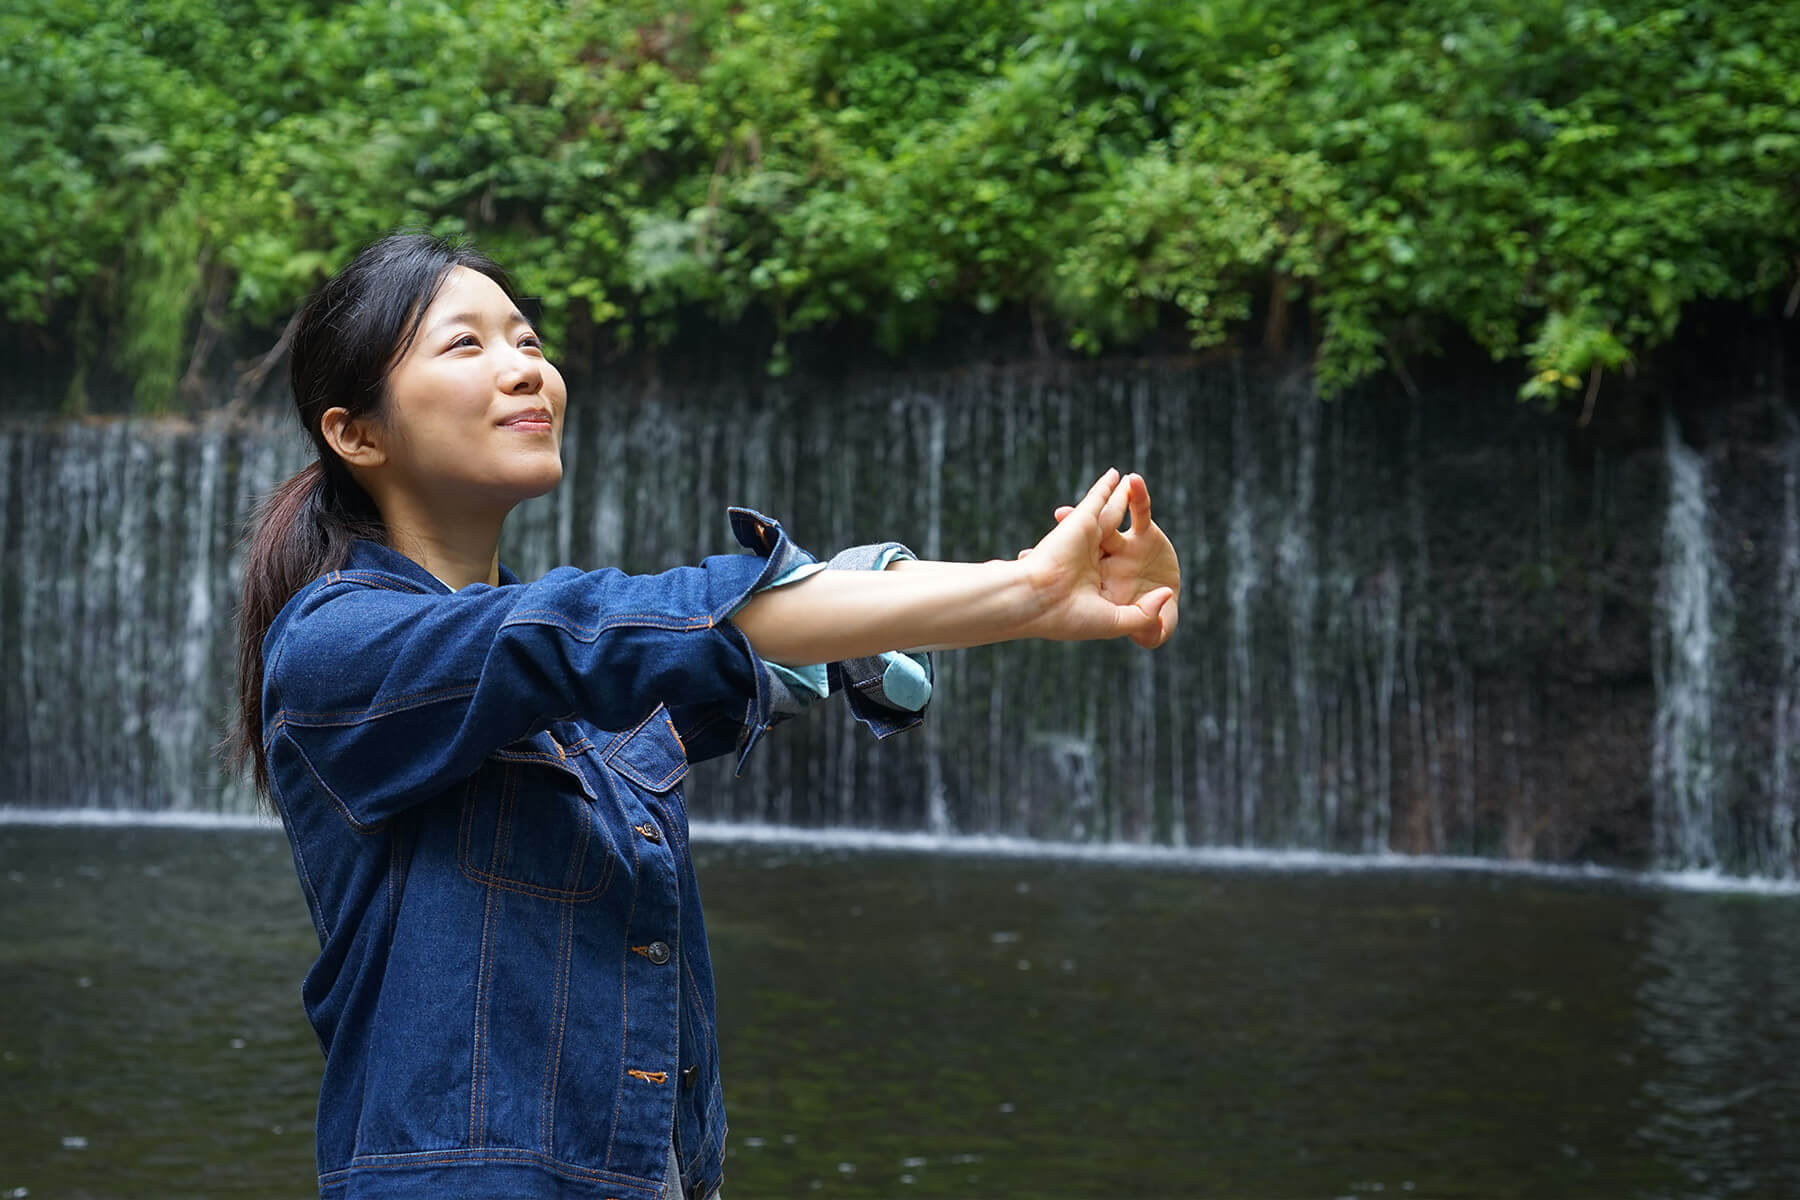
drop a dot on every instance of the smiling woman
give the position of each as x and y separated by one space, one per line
480 777
471 426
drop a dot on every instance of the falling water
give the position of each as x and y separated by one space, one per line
1243 725
1779 857
115 644
1376 652
1685 768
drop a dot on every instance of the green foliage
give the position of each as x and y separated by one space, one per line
1559 180
163 285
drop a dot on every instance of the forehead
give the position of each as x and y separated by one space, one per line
469 291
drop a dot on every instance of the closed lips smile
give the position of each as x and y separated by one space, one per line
536 420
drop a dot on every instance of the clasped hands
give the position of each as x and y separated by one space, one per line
1097 580
1086 579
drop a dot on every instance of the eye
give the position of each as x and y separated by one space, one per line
465 339
532 340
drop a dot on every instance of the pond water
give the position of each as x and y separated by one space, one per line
936 1023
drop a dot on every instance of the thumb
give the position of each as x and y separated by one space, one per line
1157 631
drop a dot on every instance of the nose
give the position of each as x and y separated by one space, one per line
522 375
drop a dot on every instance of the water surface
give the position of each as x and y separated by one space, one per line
902 1023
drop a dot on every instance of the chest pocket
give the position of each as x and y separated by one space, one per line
650 759
528 824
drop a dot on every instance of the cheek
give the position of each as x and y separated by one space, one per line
450 407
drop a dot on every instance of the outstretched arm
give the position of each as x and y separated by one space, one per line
1084 580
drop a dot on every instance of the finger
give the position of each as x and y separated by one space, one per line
1159 613
1112 513
1140 502
1141 620
1063 510
1023 553
1097 496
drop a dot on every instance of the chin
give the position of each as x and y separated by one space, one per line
542 481
532 474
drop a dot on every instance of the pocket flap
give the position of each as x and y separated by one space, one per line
651 755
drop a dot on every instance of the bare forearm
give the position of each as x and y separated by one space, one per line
835 615
1085 579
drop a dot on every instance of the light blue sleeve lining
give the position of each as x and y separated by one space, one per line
906 678
810 681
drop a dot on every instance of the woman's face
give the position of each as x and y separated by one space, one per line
474 410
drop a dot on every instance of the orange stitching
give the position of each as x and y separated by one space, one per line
371 579
503 821
537 756
433 1158
613 746
396 704
467 837
549 616
649 1076
554 1054
519 887
393 916
643 950
343 809
477 1104
312 895
511 755
624 1006
587 838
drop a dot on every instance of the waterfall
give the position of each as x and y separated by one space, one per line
115 635
1242 719
1298 555
1408 623
1779 855
1690 596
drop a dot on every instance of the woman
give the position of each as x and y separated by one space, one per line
480 777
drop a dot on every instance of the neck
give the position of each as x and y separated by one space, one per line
458 553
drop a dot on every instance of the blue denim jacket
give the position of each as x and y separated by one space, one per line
482 793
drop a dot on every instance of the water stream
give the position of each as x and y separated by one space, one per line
1427 626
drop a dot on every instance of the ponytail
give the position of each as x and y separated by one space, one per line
347 337
300 531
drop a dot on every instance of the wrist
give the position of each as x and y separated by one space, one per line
1020 600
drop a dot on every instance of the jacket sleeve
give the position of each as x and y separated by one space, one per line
387 696
887 693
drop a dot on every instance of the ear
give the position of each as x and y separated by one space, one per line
356 439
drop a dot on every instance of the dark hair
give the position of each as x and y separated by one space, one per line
347 337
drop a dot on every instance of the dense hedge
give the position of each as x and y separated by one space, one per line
1556 179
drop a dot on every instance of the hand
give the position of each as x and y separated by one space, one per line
1139 561
1097 581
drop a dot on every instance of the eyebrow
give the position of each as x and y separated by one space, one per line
473 318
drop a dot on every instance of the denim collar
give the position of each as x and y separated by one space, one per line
366 555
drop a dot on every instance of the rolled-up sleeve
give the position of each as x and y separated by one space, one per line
887 693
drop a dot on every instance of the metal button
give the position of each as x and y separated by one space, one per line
649 830
689 1075
657 952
